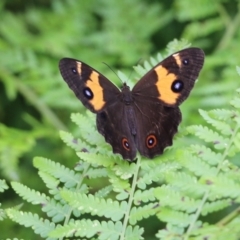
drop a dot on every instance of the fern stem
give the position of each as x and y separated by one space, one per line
224 15
229 217
205 196
230 31
68 215
40 106
228 147
131 197
197 214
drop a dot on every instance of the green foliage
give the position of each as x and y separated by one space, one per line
40 226
3 187
8 150
36 104
196 181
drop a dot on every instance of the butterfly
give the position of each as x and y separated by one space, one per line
145 118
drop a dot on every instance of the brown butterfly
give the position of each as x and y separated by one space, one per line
144 118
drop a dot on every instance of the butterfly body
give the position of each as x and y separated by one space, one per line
144 118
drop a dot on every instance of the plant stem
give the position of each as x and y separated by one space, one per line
83 175
40 106
232 27
205 196
131 197
229 217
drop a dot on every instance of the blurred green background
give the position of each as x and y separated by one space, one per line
35 103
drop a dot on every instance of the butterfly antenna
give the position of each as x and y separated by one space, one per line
133 69
116 73
112 71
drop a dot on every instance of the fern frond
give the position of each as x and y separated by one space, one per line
96 173
196 165
29 195
50 181
3 214
118 183
187 183
206 154
65 175
56 211
208 135
75 143
235 102
104 192
138 213
178 218
89 228
155 172
122 195
168 197
40 226
96 159
134 233
215 206
179 187
87 127
3 185
169 231
124 170
221 126
222 114
222 187
219 232
144 196
96 206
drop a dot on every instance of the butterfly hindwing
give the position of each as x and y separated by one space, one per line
113 124
156 124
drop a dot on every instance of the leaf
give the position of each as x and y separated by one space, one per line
89 228
3 185
215 206
29 195
223 127
40 226
144 196
206 154
65 175
168 197
138 213
96 159
209 135
178 218
96 206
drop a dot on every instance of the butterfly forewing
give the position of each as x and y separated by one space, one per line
94 90
171 81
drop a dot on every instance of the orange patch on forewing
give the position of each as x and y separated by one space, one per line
79 68
164 85
177 59
93 83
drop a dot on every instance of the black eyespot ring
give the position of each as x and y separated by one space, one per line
87 92
125 144
177 86
151 141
